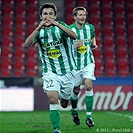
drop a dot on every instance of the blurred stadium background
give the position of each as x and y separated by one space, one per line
21 67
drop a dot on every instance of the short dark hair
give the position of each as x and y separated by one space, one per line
76 9
48 5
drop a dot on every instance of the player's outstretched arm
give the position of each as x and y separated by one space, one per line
94 46
65 29
30 40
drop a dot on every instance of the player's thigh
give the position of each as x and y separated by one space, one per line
78 78
52 97
88 72
51 82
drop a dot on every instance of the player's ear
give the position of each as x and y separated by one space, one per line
55 16
74 17
40 17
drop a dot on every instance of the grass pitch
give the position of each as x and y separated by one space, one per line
39 122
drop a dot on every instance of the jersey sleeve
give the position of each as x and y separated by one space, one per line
92 30
36 38
64 24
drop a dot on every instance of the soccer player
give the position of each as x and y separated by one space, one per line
56 52
85 62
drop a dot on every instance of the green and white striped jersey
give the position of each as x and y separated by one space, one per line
83 55
56 50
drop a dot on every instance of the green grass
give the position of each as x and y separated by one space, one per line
38 122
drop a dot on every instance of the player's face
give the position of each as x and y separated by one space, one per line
81 17
47 14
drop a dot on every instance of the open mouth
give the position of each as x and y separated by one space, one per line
82 19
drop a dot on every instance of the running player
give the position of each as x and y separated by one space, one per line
85 62
56 52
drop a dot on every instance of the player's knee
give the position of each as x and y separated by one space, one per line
53 100
76 90
88 88
63 103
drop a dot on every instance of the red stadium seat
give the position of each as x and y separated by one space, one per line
107 20
95 2
130 30
31 52
31 64
119 9
19 30
109 52
20 2
19 52
8 9
8 20
32 9
99 41
123 64
82 3
129 20
19 72
68 11
6 63
98 31
98 73
30 29
6 52
32 19
19 41
95 19
110 64
107 9
6 29
131 67
98 53
33 2
109 41
31 67
121 41
99 64
7 2
69 3
94 10
69 19
6 73
123 73
130 9
120 20
20 20
130 41
110 67
107 1
5 67
98 67
108 30
7 41
131 52
122 52
7 32
19 67
21 9
31 73
110 73
120 31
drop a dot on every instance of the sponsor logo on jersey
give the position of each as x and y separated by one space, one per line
51 44
82 49
54 53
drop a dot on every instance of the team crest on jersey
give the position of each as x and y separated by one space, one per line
82 49
54 53
44 45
